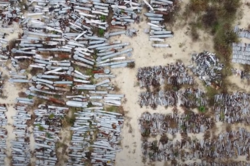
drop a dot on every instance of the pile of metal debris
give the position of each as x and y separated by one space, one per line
207 67
158 124
96 135
189 98
232 108
241 53
157 31
229 145
175 74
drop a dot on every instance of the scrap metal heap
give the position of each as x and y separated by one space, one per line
158 124
175 74
189 98
232 108
157 31
207 67
226 146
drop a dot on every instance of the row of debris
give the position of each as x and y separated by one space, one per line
241 53
189 98
157 31
47 125
175 74
225 146
3 134
242 33
158 124
96 136
232 108
20 145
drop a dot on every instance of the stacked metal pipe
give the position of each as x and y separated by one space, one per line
241 53
21 145
95 137
157 31
3 133
46 132
242 33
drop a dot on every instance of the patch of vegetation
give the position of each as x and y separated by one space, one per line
202 109
51 116
131 65
101 32
210 95
112 109
40 128
171 17
89 104
217 18
103 18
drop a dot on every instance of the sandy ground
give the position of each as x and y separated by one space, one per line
144 55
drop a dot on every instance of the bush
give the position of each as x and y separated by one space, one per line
131 65
198 5
210 19
194 33
103 18
101 32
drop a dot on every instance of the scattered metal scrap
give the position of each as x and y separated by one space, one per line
171 74
207 67
232 108
189 98
229 145
158 124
